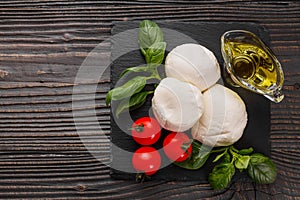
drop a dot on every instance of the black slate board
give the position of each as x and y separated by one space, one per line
256 134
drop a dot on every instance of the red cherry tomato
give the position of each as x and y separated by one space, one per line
174 146
146 160
146 131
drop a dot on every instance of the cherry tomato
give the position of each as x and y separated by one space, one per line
146 160
146 131
177 146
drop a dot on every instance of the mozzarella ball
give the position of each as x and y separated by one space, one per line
177 105
224 117
193 63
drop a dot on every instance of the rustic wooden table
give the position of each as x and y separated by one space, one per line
42 45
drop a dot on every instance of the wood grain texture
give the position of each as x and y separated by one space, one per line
42 45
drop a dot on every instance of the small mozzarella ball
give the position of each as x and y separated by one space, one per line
193 63
224 117
177 105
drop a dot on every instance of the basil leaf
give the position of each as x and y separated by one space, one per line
242 162
227 158
135 69
218 157
131 87
156 53
108 98
149 33
221 175
199 156
261 169
246 151
136 101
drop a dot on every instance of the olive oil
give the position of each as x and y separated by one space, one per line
252 64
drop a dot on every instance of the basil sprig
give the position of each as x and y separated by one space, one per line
259 167
132 94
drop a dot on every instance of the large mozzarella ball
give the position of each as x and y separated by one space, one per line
193 63
224 117
177 105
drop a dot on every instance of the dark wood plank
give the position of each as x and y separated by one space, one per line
43 44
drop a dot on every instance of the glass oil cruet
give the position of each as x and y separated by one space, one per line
250 64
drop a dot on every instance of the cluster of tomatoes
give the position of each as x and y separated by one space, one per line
147 160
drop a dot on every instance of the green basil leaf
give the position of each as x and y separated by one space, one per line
135 69
136 101
108 98
227 158
246 151
242 162
199 156
131 87
149 33
218 157
261 169
156 53
221 175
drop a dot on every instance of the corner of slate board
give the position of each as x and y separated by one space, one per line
208 34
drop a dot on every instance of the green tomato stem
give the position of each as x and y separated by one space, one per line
140 177
139 128
186 145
